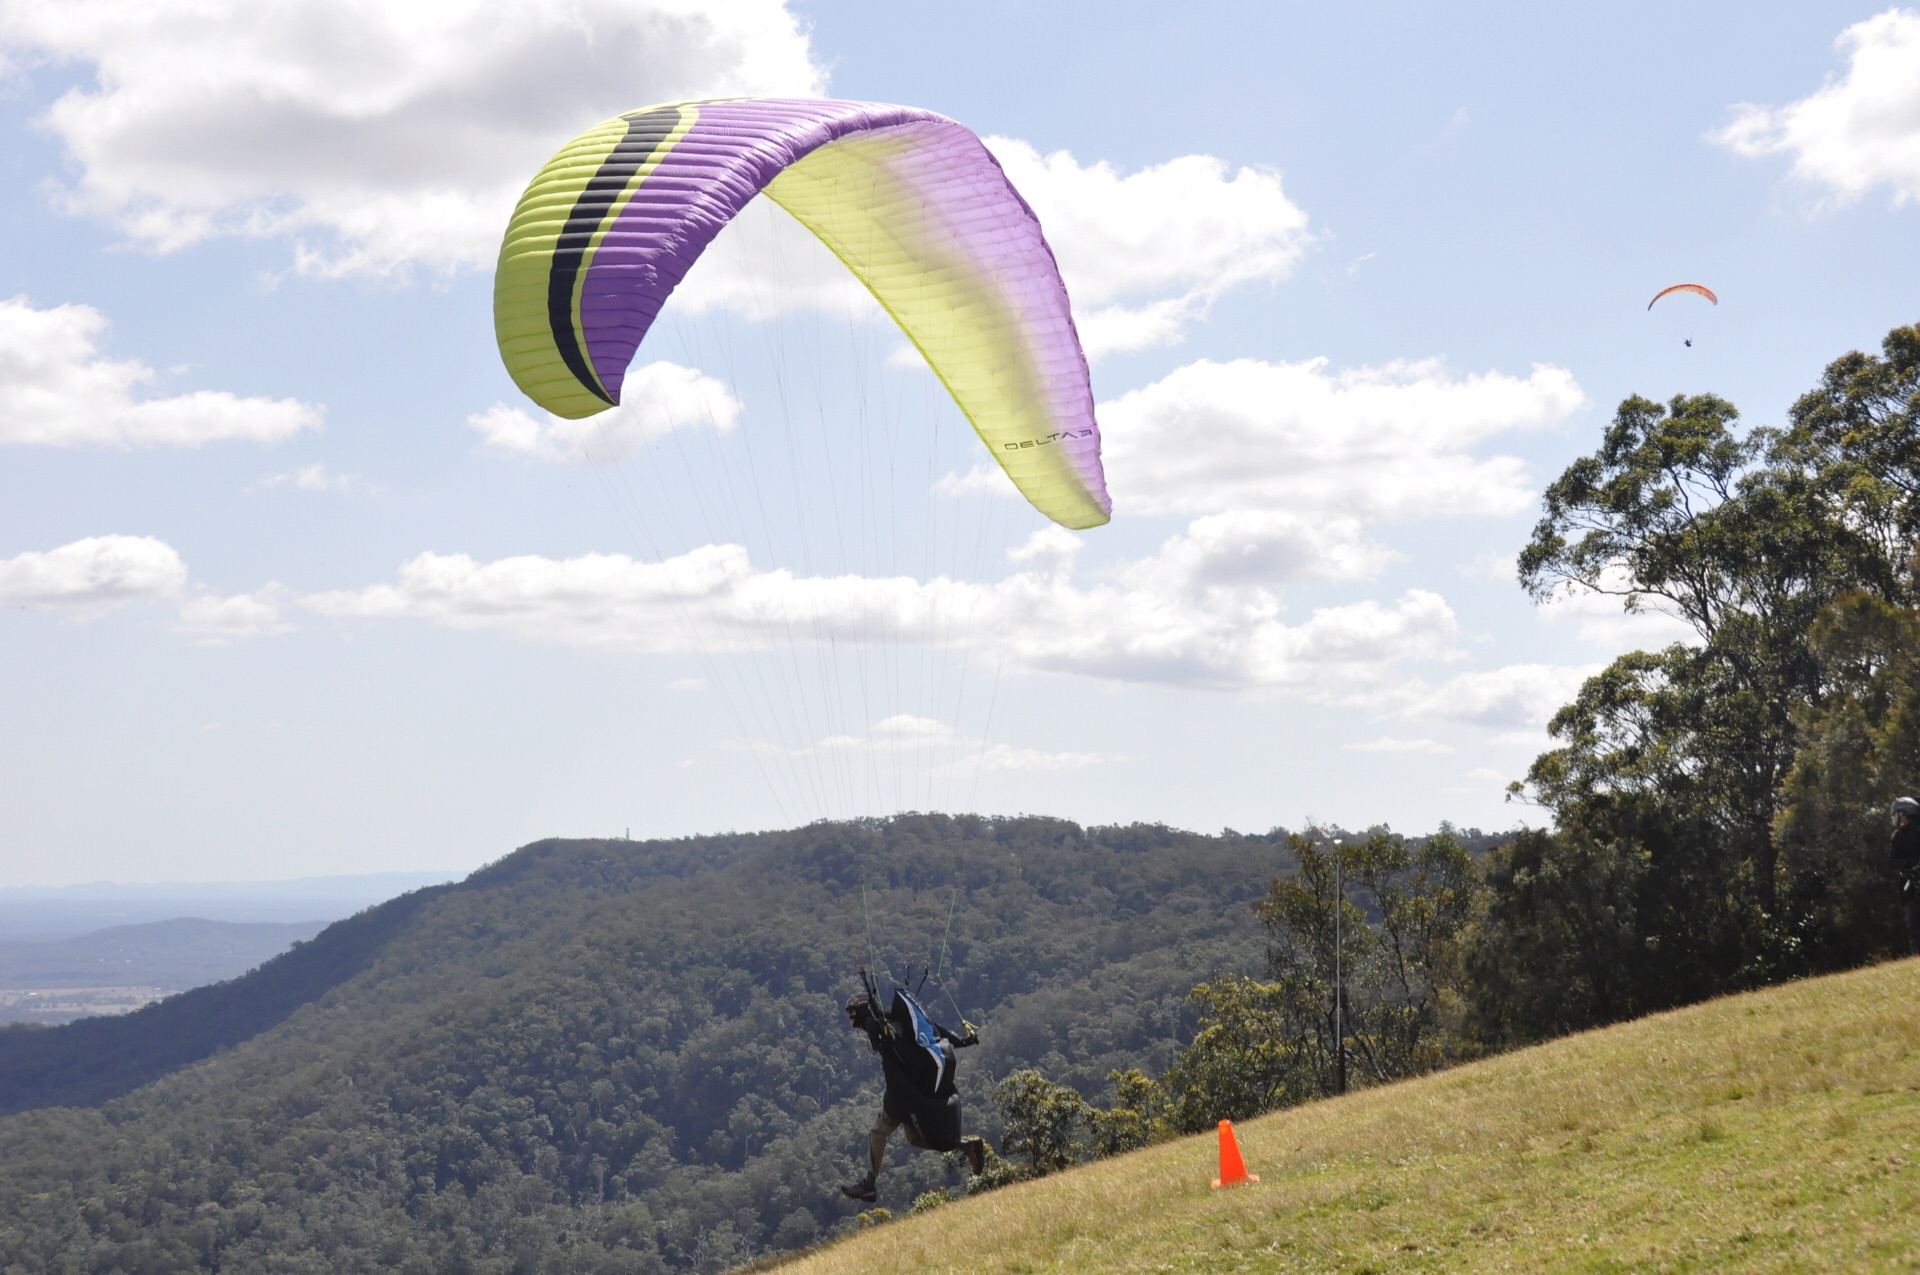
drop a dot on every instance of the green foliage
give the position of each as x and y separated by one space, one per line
1140 1115
928 1201
996 1172
1247 1057
1564 945
1403 908
1040 1120
606 1055
1861 749
1665 880
1858 431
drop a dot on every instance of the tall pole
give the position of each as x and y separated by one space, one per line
1339 982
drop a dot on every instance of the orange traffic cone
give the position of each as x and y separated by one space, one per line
1233 1170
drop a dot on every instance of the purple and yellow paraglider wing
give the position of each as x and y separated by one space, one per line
912 202
1697 289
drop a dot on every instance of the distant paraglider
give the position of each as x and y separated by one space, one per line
1698 290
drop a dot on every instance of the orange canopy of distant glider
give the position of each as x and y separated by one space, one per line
1698 289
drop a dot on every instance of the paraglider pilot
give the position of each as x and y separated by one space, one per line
916 1055
1905 853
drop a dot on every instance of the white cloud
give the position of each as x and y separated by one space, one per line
1283 466
687 684
313 477
900 732
93 575
986 479
57 390
1119 329
216 621
379 135
713 599
927 743
1518 698
1259 547
1145 253
655 400
1388 744
1320 454
102 573
1854 133
1492 566
1369 442
1001 758
904 732
1606 621
384 137
907 727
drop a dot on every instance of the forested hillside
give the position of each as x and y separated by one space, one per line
605 1055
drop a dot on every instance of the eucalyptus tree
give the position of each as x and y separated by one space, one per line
1670 765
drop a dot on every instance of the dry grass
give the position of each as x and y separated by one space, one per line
1772 1132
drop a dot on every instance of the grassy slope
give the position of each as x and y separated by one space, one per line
1772 1132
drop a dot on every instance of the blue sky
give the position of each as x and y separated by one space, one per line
283 591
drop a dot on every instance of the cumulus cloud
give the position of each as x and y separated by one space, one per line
1388 744
1517 699
714 599
983 479
1855 133
1289 464
1614 619
1145 253
217 621
379 136
1282 467
1258 547
103 573
655 400
58 390
313 477
1492 566
1001 758
93 575
932 739
1368 442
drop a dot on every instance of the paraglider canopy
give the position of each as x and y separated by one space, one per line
912 202
1698 289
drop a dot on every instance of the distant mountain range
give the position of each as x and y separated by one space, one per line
120 968
64 912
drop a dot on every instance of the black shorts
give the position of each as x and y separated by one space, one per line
932 1123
